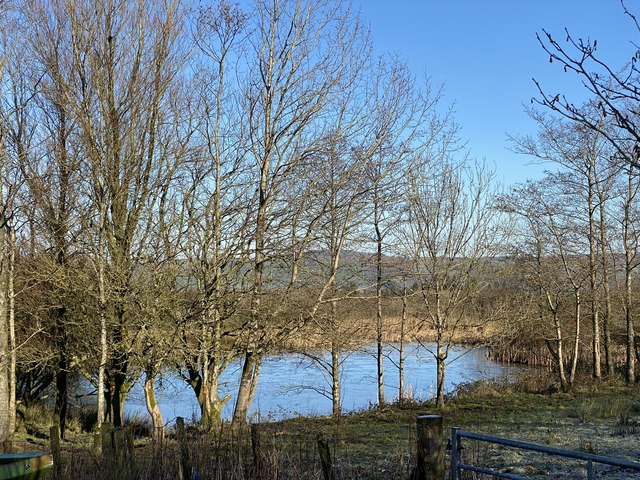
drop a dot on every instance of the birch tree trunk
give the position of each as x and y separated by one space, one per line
630 242
11 298
593 275
576 341
403 323
441 358
379 323
102 312
606 321
5 354
336 400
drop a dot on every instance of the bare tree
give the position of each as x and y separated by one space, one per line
120 58
393 133
5 352
40 132
585 153
12 119
629 187
451 236
603 194
343 191
611 87
548 246
215 206
302 54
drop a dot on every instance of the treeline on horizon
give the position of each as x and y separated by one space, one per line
182 187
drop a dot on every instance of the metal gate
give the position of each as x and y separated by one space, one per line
457 466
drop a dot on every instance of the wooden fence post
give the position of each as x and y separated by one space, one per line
430 447
105 437
325 458
184 468
255 446
54 438
123 449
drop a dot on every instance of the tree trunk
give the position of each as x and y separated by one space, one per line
250 368
254 380
102 309
576 342
379 326
403 321
630 376
104 352
206 389
595 343
336 401
205 366
152 405
210 403
559 350
119 367
608 354
560 353
62 393
248 378
211 407
440 376
595 319
11 297
629 254
120 395
4 378
4 346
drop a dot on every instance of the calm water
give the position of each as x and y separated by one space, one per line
292 384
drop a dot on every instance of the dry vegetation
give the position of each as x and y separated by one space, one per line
379 443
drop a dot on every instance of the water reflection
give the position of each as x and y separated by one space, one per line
294 384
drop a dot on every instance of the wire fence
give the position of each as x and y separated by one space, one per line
256 452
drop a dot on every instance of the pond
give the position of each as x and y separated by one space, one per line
294 385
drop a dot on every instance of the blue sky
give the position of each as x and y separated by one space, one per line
486 53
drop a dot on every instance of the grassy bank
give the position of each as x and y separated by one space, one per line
603 418
380 442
